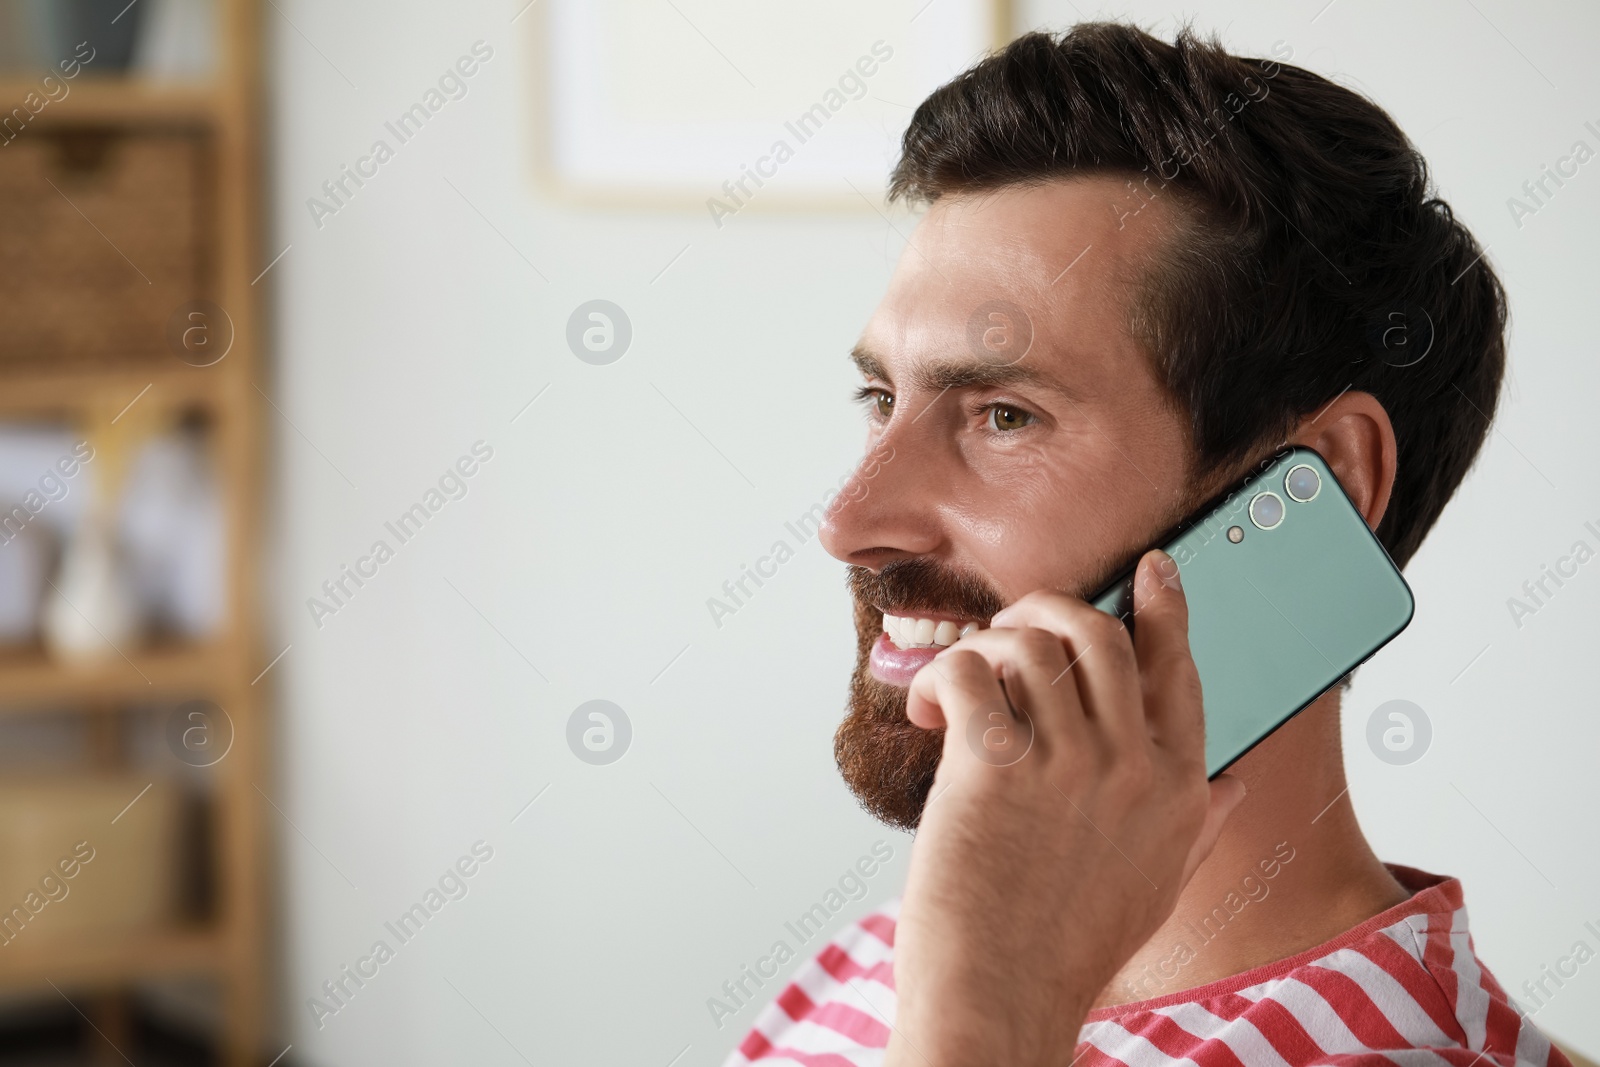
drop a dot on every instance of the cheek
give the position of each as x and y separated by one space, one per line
988 525
1052 524
1022 528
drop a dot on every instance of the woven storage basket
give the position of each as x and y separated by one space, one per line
130 879
103 236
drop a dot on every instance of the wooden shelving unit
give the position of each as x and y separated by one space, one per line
30 679
229 948
47 394
98 98
98 963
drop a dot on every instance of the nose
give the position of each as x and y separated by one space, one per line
887 510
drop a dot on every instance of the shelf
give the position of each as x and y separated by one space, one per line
106 99
33 391
29 677
109 958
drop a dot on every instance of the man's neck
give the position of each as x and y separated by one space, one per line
1291 870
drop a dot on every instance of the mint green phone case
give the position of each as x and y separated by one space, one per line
1280 616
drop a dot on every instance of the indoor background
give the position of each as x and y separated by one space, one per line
546 348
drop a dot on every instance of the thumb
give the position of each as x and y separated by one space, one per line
1226 793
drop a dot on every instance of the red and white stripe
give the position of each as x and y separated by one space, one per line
1404 989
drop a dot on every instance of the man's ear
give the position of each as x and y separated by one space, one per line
1354 435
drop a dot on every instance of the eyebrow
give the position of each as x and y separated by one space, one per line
940 375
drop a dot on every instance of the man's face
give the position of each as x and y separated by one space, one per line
1019 440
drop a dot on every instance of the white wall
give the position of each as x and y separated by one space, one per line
412 725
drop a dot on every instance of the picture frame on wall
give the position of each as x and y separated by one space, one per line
726 107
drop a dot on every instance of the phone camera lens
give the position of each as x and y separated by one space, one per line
1302 483
1266 510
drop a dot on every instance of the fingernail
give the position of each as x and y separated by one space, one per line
1167 570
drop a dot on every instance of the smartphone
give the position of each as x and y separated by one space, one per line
1288 592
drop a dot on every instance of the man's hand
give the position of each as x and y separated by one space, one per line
1032 882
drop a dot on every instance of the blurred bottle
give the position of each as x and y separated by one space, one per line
171 525
91 614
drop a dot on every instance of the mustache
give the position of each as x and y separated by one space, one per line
921 585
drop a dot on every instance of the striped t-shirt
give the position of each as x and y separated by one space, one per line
1403 989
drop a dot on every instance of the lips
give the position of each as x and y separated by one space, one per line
897 666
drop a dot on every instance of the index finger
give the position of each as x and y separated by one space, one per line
1171 683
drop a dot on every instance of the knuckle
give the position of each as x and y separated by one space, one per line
1107 633
1039 604
1038 646
959 656
962 664
1047 599
1116 647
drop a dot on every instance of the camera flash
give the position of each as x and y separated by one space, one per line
1235 534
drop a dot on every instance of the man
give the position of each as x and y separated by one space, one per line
1143 268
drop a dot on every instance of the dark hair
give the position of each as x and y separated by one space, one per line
1311 257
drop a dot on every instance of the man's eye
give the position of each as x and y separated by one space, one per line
882 403
1005 417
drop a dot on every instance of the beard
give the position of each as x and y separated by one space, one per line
887 761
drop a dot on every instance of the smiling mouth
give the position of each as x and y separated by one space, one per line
911 631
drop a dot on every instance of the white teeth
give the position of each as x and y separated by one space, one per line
910 632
